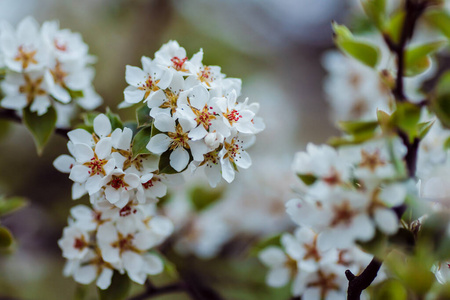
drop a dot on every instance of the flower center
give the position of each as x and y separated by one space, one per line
371 161
125 243
178 63
325 283
232 150
179 138
205 76
117 182
232 116
26 57
204 117
96 166
32 88
80 243
343 214
60 46
58 74
149 86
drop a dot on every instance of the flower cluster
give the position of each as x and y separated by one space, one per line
315 273
347 195
195 112
355 91
122 226
107 238
45 66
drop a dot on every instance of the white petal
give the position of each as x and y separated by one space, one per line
227 171
94 184
79 173
102 125
272 257
81 136
83 153
161 226
85 274
386 220
104 280
179 159
164 123
64 163
243 160
103 148
14 102
40 105
133 95
154 264
159 143
278 277
134 75
78 190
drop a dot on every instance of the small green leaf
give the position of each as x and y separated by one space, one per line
358 127
307 179
6 238
364 52
143 116
440 19
417 58
394 26
423 128
114 118
267 242
376 11
203 198
141 140
41 127
440 105
88 118
391 290
10 205
119 288
447 144
406 117
164 164
75 94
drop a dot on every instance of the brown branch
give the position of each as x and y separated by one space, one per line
414 9
356 284
9 114
153 291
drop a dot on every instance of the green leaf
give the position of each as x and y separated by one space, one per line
119 288
394 26
75 94
6 238
41 127
423 128
358 127
439 19
440 105
376 11
10 205
202 197
143 116
417 58
164 164
307 179
88 118
364 52
141 140
267 242
391 290
406 117
114 118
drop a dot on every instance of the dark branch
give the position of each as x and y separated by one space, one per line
9 114
356 284
153 291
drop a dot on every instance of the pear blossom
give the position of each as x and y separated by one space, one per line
233 155
43 66
172 56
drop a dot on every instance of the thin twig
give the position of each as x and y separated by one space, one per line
152 291
356 284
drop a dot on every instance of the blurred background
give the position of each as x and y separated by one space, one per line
275 46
